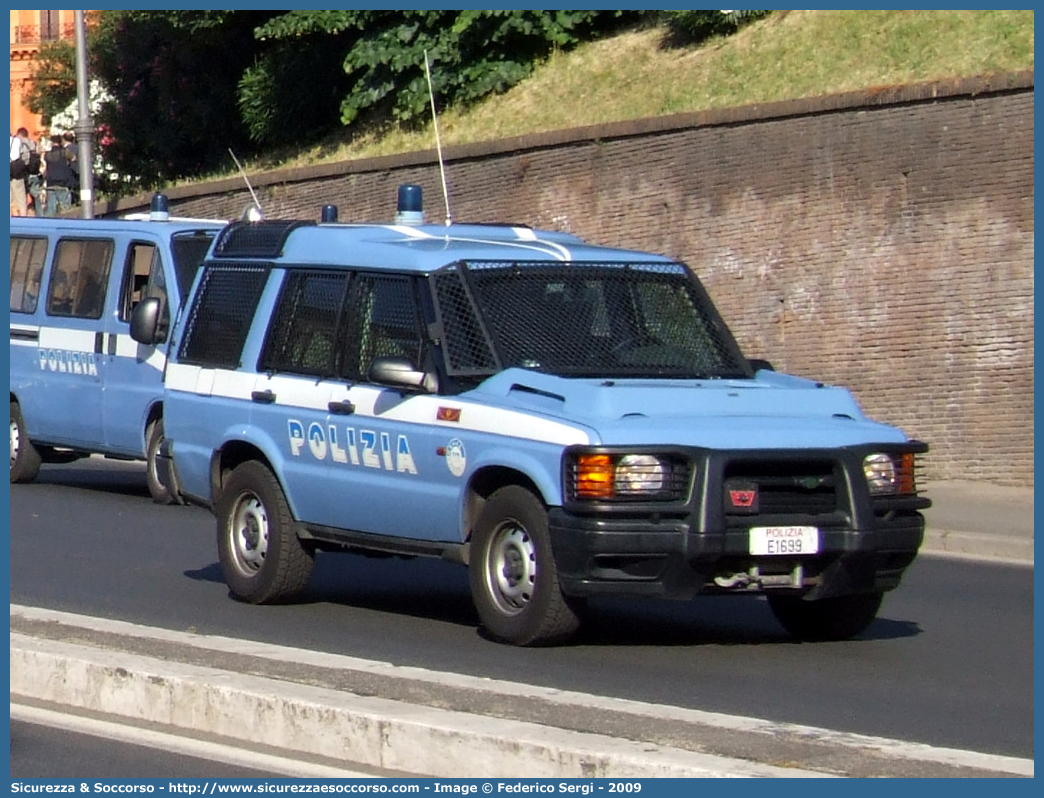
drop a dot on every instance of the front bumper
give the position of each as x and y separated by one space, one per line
703 546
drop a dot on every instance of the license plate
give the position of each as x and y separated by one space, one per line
772 540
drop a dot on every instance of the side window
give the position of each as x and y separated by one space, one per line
219 320
384 319
142 277
79 278
27 262
303 331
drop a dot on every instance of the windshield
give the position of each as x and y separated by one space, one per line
189 250
583 319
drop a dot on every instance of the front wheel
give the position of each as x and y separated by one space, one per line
154 437
514 579
25 459
262 559
837 618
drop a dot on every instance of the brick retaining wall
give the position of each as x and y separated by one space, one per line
880 239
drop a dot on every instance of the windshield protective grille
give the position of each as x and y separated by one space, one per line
582 319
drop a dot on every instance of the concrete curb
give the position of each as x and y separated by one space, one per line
339 712
319 722
1010 549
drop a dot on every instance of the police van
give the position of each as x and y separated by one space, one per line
79 384
564 419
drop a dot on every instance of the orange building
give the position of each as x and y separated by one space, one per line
28 30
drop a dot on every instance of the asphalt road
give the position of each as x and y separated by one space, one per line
40 751
949 661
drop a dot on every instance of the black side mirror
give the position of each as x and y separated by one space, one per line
145 322
399 372
760 365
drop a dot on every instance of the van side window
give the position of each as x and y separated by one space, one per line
142 277
303 334
221 314
27 262
383 319
80 277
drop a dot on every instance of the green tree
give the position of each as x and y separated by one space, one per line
472 53
52 79
187 86
174 78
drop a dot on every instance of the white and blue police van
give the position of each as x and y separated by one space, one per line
79 384
566 420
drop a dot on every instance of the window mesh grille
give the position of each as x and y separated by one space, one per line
582 319
383 320
304 331
220 317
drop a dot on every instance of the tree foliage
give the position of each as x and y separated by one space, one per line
693 27
472 54
52 84
174 77
189 85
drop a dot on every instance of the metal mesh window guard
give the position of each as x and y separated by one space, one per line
582 319
220 318
303 334
383 320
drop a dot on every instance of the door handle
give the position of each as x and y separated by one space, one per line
265 396
344 408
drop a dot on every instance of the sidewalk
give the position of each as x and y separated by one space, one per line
979 521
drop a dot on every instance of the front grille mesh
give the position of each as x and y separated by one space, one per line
786 488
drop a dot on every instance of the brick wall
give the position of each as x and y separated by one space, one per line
882 240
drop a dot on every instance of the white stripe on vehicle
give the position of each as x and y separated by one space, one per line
297 393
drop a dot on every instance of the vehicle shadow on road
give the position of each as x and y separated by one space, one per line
435 590
121 480
705 620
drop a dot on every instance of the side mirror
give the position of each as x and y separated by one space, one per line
399 372
760 365
145 322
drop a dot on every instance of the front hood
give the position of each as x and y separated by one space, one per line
772 411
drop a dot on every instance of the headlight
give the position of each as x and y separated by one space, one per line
880 473
615 476
639 473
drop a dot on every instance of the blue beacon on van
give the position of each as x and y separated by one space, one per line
563 419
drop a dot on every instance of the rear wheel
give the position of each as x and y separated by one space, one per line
262 559
837 618
25 459
514 579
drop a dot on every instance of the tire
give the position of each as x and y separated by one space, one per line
514 579
262 559
838 618
25 459
154 437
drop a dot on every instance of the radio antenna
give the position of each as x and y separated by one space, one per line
438 142
242 172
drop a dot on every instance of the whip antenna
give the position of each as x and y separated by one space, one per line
438 142
242 171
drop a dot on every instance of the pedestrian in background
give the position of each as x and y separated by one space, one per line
58 178
19 172
34 178
69 139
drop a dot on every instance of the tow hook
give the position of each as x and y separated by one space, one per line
753 579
